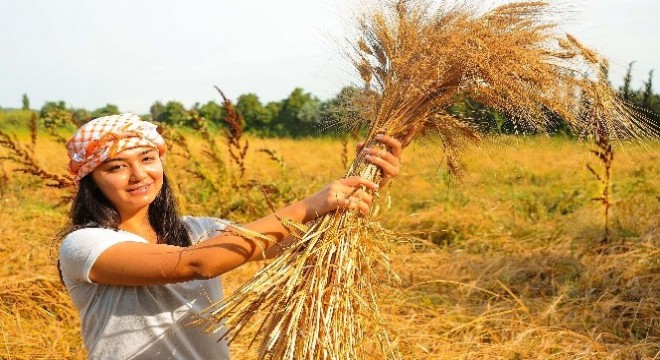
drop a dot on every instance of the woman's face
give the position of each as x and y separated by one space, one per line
130 180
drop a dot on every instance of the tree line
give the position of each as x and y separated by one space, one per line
302 114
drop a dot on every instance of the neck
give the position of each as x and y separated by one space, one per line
137 222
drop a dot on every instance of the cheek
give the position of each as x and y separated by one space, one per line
110 189
110 184
156 171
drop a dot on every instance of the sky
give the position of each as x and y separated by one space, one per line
131 53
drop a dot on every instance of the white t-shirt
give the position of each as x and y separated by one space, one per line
139 322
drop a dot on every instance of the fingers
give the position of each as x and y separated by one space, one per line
390 170
359 146
350 193
388 162
360 200
383 154
356 181
394 144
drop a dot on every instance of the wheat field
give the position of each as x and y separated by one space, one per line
506 263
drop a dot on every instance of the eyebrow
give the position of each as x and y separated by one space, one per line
124 159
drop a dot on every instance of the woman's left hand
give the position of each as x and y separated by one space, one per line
388 161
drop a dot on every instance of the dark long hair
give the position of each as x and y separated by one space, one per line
91 208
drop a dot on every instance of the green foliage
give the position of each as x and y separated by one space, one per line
49 106
106 110
14 119
482 117
257 117
26 102
56 118
173 113
212 112
341 109
274 108
80 116
299 114
626 90
647 94
156 110
302 114
643 98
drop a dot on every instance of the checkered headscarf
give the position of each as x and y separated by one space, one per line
102 138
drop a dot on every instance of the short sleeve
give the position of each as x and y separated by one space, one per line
81 248
204 228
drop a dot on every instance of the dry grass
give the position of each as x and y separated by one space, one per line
492 287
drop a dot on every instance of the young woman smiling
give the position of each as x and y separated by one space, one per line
135 269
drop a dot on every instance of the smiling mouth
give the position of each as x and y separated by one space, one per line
141 189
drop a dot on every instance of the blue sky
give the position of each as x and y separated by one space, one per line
132 53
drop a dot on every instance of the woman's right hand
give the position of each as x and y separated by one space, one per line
344 193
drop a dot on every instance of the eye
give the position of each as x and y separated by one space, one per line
148 159
115 168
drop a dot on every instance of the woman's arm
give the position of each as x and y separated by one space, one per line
136 264
132 263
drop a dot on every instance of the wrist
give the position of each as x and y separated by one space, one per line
300 211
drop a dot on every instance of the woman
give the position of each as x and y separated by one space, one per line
137 271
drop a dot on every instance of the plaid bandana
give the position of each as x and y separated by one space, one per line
104 137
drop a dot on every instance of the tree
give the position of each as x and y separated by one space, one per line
626 90
55 115
300 113
647 95
212 112
50 106
80 116
175 114
26 102
108 109
273 108
156 110
257 117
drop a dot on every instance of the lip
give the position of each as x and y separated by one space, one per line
141 189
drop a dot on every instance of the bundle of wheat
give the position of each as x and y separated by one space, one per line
416 61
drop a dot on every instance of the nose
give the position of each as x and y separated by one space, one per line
138 172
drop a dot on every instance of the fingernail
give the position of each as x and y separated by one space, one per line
368 157
378 136
365 149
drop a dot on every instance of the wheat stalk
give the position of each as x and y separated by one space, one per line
234 135
416 61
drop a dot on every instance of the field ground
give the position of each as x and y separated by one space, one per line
510 266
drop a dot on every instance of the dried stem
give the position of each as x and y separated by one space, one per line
24 157
233 135
274 156
605 155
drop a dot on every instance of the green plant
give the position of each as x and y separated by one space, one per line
605 154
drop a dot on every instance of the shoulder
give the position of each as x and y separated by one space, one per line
202 228
94 238
96 235
80 248
87 234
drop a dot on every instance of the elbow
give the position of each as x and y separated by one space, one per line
202 270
